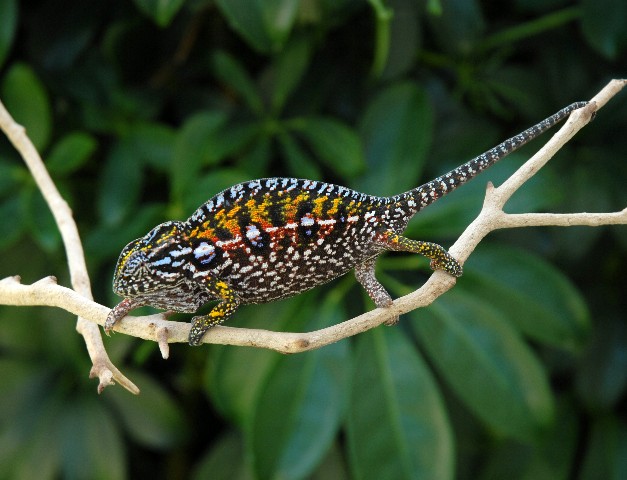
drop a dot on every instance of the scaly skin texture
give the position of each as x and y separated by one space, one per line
273 238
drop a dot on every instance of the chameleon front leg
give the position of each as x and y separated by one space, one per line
364 273
218 314
440 258
120 311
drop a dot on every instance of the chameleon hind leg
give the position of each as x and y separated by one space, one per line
364 273
440 258
218 314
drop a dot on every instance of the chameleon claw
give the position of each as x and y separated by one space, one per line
117 313
197 331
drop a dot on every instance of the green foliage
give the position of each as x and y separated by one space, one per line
143 110
397 425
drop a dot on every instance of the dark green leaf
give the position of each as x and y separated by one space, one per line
603 23
459 26
300 407
10 231
396 131
287 71
161 11
255 160
8 23
237 375
264 24
30 438
332 466
602 378
154 143
41 223
153 419
335 143
299 164
278 19
606 455
70 153
27 101
484 361
10 176
120 184
245 18
235 77
193 150
550 459
397 426
224 461
90 439
405 36
530 293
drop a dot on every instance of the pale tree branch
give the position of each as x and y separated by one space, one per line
157 328
102 367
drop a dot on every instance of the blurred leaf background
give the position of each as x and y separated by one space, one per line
144 109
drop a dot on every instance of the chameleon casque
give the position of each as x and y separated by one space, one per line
273 238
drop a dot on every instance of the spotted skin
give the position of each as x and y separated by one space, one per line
267 239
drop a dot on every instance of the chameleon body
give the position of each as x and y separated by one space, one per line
272 238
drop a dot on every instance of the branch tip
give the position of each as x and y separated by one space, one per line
13 279
162 340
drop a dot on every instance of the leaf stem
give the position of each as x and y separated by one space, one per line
530 29
383 17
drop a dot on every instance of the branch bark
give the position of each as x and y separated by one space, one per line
158 328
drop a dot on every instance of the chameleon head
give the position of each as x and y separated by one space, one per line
150 263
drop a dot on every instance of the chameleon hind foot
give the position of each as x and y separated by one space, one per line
440 258
448 264
364 273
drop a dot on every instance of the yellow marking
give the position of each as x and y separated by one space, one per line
125 259
334 209
167 235
207 232
319 204
259 211
291 206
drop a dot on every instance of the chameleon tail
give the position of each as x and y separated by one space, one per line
426 194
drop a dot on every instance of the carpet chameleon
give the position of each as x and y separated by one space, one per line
272 238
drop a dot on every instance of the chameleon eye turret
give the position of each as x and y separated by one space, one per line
273 238
130 270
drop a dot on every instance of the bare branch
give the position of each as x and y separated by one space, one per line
157 328
102 368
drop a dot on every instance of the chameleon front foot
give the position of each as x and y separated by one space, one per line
200 325
117 313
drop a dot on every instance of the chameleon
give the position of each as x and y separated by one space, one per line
272 238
